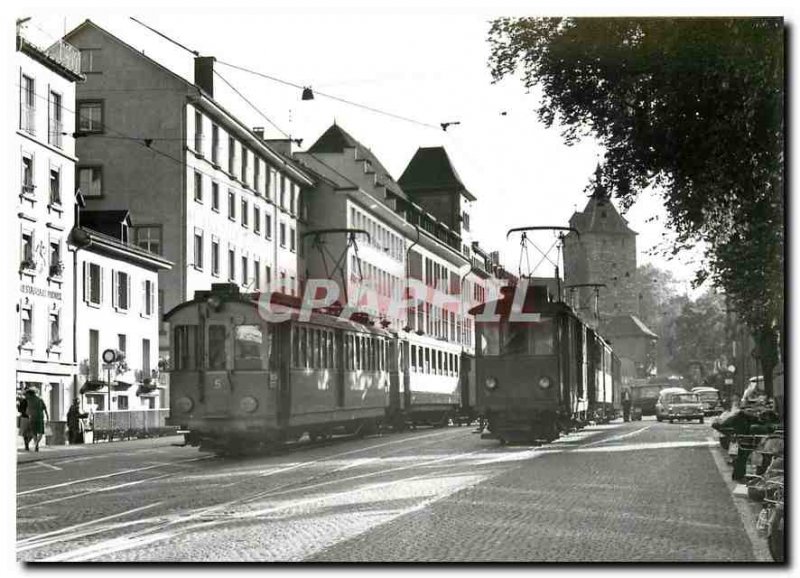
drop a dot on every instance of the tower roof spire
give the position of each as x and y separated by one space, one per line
600 192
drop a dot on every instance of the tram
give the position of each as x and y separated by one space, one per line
544 374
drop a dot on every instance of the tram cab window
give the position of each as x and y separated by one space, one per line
541 336
185 344
216 347
489 339
247 347
413 358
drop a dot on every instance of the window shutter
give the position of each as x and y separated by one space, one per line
129 297
114 289
153 307
144 298
86 281
101 284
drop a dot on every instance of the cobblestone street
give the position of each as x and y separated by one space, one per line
619 492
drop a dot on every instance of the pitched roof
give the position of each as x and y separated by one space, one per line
336 139
106 222
600 216
626 326
431 168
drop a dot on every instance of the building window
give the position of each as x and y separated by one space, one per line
231 155
215 257
215 197
90 116
256 173
231 205
28 105
56 266
122 402
26 325
28 186
93 283
244 270
268 225
292 198
122 343
231 265
245 213
26 259
244 166
268 271
256 220
89 62
292 240
198 132
268 181
122 290
94 355
90 181
198 249
257 273
198 187
55 186
55 328
283 235
148 238
465 220
215 144
146 357
56 126
282 192
148 288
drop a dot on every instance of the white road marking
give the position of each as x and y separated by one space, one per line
644 446
111 475
619 437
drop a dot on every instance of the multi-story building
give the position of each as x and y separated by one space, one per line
415 232
44 185
204 190
117 308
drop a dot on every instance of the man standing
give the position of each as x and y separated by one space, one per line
74 426
24 421
37 412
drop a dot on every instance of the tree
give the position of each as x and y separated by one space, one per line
698 335
692 107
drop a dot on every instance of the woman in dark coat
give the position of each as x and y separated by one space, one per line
37 411
74 416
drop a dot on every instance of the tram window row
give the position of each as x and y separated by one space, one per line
433 361
314 348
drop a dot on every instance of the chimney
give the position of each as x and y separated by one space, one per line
494 256
259 132
204 74
282 145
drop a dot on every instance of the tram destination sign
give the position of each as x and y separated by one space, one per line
40 292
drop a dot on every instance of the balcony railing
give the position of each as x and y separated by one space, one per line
54 134
27 119
66 55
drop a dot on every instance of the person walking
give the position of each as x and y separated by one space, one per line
37 411
626 404
24 422
74 424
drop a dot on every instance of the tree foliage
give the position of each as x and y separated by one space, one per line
697 335
691 106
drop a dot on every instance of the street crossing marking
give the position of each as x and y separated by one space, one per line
619 437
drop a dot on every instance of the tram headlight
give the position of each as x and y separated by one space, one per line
545 382
184 404
248 404
490 383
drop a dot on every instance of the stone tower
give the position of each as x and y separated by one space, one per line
604 252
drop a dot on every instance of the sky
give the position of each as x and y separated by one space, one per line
428 65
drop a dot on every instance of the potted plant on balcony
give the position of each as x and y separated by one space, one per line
27 264
56 269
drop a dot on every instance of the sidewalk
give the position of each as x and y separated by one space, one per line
57 452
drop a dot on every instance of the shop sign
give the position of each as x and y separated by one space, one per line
40 292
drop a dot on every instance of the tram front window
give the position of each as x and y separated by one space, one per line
489 339
216 347
185 343
247 341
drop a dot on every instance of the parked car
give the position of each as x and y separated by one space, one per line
710 398
677 403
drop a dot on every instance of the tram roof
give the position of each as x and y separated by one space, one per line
289 304
536 301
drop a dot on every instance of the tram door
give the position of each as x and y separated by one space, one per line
282 351
339 364
405 374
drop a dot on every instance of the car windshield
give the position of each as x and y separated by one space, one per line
684 398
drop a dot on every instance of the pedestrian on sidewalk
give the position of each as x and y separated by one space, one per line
23 422
37 411
74 423
626 404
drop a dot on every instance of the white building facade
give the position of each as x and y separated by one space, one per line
118 309
44 84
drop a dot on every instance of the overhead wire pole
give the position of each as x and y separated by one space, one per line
545 255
